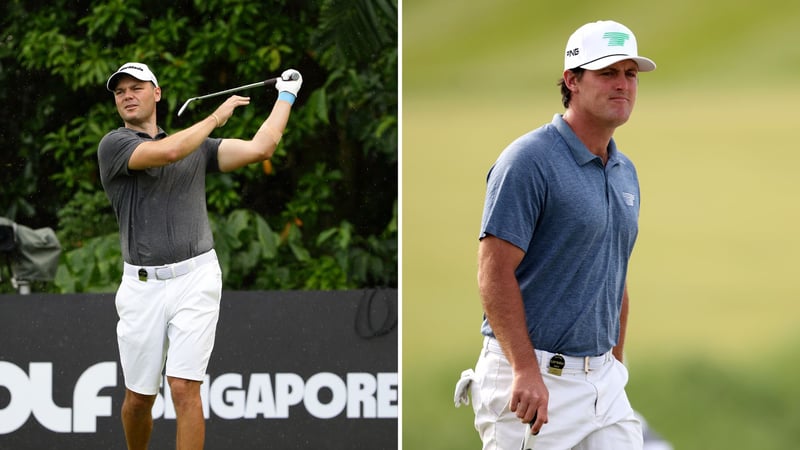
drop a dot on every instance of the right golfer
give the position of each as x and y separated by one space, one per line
169 297
559 224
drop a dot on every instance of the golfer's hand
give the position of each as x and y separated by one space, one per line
287 84
225 110
529 397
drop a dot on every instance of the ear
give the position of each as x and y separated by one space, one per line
157 93
570 80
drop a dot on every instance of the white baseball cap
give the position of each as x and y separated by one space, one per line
136 70
600 44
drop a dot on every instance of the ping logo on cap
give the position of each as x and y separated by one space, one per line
616 38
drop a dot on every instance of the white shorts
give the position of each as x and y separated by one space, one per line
586 410
169 317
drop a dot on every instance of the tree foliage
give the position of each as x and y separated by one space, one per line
322 214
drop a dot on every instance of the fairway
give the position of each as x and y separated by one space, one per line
713 333
713 265
711 275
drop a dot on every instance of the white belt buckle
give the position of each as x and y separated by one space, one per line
164 273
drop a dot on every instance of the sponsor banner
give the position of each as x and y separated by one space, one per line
289 370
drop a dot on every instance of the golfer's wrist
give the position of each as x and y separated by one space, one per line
287 97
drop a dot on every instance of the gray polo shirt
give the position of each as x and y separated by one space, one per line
161 211
577 222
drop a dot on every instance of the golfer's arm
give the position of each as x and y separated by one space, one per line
618 350
172 148
236 153
502 300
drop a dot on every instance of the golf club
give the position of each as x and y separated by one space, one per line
530 438
269 82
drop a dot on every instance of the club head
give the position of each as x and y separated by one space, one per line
183 108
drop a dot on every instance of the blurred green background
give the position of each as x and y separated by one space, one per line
713 339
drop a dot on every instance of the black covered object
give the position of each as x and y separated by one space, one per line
33 254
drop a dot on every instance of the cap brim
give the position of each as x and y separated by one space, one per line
645 64
112 80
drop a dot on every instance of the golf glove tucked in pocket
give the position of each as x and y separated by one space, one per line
461 396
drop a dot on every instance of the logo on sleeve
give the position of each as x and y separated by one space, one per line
628 198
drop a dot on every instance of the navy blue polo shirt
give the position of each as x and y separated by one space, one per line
577 221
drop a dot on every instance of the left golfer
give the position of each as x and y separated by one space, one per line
168 300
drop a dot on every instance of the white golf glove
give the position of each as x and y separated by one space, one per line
461 395
290 82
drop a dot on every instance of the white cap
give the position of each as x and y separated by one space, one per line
600 44
136 70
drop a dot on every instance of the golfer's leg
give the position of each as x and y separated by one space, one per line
191 424
137 419
624 435
620 428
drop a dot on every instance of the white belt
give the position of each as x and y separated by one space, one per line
169 271
582 363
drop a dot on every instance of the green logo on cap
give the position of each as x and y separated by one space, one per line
616 38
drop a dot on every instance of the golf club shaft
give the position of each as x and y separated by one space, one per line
269 82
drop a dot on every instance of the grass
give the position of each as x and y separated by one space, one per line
696 402
711 277
712 333
701 404
510 45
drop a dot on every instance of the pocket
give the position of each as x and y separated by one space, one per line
204 285
129 292
491 388
622 370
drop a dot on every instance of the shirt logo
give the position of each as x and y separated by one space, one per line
616 38
628 198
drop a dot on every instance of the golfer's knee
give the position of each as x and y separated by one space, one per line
185 393
136 403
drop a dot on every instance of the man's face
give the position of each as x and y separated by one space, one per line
608 94
136 100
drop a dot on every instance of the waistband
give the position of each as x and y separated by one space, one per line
169 271
581 363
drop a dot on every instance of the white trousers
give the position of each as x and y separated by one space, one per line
588 409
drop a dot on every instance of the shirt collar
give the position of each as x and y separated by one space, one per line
160 135
579 151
